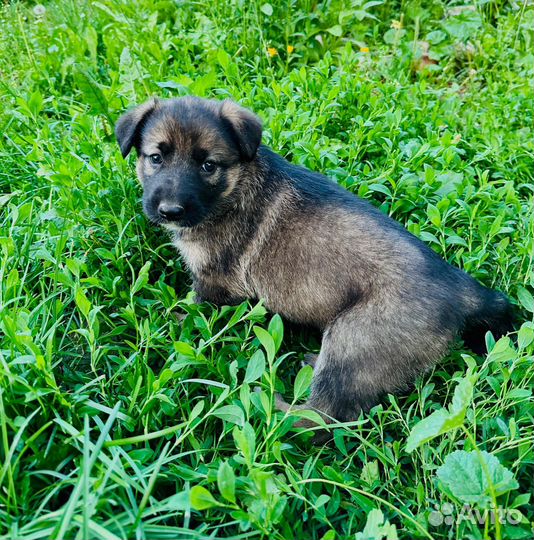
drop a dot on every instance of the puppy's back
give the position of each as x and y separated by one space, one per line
331 249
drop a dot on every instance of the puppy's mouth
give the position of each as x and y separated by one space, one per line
174 225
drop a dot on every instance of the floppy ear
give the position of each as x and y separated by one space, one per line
245 125
128 128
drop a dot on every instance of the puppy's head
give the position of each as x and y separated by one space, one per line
190 152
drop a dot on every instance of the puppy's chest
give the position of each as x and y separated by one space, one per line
195 256
220 266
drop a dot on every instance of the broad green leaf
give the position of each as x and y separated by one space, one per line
276 329
502 351
376 528
231 413
267 341
226 481
370 473
178 502
381 188
435 37
245 440
267 9
197 409
525 336
91 38
238 313
35 103
463 25
255 367
525 298
433 214
519 393
393 35
184 349
201 498
303 381
142 278
84 305
428 428
128 73
256 313
472 476
463 394
335 30
313 416
455 241
443 420
91 92
429 237
223 58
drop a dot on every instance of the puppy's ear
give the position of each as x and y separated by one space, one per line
128 128
245 125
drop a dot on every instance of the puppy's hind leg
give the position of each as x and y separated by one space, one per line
365 354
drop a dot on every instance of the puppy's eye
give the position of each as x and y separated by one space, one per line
155 159
208 167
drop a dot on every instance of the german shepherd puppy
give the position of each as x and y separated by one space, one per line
251 225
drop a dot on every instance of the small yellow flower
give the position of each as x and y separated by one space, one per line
364 49
457 138
272 51
290 49
397 25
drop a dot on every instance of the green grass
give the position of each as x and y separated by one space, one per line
127 411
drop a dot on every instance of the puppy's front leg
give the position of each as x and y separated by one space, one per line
208 291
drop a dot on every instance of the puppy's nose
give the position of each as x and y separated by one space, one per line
171 212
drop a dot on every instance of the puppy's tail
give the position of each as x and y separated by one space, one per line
494 313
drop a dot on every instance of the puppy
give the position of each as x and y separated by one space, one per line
250 225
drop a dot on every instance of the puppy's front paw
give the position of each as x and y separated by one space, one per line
280 403
310 359
180 317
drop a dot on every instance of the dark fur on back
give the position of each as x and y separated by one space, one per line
251 225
